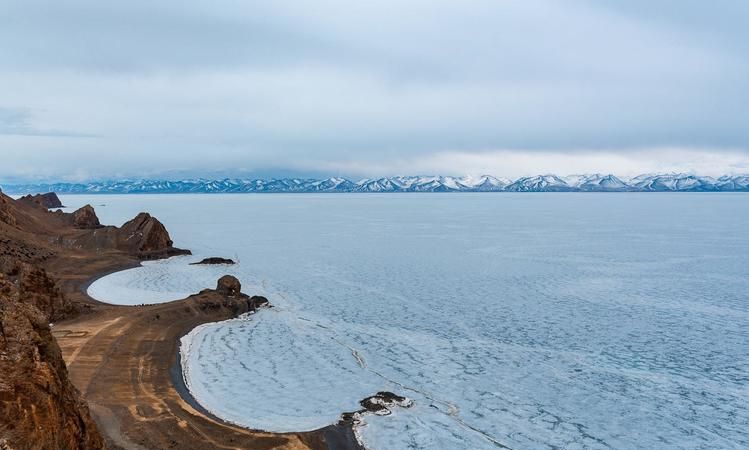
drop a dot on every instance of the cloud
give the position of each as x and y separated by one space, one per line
517 163
17 122
256 86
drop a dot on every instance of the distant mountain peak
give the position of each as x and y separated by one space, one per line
597 182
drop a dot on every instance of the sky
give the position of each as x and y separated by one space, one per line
92 90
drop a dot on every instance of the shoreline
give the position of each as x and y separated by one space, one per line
338 436
113 364
83 288
117 324
177 377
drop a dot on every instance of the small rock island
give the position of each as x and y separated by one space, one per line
214 261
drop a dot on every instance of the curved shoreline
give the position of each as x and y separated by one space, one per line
127 333
87 284
115 361
338 436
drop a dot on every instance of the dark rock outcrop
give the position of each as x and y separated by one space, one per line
143 237
85 218
229 285
147 238
6 214
39 406
230 297
214 261
48 200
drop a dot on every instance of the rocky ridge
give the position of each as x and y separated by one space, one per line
39 406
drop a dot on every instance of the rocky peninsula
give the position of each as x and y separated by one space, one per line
80 374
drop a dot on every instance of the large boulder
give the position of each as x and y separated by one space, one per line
85 218
229 285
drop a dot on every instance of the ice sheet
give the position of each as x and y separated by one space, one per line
545 321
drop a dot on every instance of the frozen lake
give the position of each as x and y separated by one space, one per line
529 321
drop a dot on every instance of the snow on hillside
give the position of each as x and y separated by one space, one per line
485 183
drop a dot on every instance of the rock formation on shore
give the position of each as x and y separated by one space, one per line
143 237
229 290
48 200
148 238
85 218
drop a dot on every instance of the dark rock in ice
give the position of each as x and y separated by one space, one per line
213 260
380 404
258 301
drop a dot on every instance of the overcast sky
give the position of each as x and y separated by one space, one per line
103 89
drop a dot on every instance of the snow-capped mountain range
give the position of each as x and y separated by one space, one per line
485 183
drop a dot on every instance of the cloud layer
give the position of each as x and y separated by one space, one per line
101 89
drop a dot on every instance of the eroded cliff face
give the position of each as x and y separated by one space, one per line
6 215
39 406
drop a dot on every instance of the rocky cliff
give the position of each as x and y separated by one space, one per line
41 250
39 406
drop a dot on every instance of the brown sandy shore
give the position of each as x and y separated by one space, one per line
123 359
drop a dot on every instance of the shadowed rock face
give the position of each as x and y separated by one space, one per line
6 215
229 285
48 200
85 218
41 291
147 237
39 406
